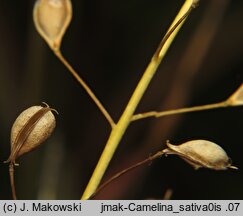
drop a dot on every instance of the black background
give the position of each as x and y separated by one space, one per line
110 44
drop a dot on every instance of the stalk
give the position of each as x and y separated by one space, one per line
124 121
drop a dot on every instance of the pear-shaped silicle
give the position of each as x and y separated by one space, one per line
236 99
51 18
31 128
201 153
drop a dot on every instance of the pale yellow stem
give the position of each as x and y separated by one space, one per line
125 119
85 86
178 111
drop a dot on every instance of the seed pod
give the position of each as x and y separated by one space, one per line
201 153
51 18
236 99
32 127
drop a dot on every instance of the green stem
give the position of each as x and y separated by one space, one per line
119 130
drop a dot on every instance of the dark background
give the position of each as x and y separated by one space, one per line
110 44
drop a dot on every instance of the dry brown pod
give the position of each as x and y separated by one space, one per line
51 18
198 153
31 128
201 153
236 99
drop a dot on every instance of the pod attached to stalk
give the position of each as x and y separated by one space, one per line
31 128
51 18
201 153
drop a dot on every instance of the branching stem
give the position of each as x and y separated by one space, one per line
124 121
178 111
85 86
119 174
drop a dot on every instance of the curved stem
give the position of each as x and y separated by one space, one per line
178 111
119 174
85 86
124 121
11 174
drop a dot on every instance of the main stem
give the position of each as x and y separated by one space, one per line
124 121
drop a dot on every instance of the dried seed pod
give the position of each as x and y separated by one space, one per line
201 153
236 99
32 127
51 18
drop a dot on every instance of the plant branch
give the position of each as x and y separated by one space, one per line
124 121
11 174
119 174
182 110
85 86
